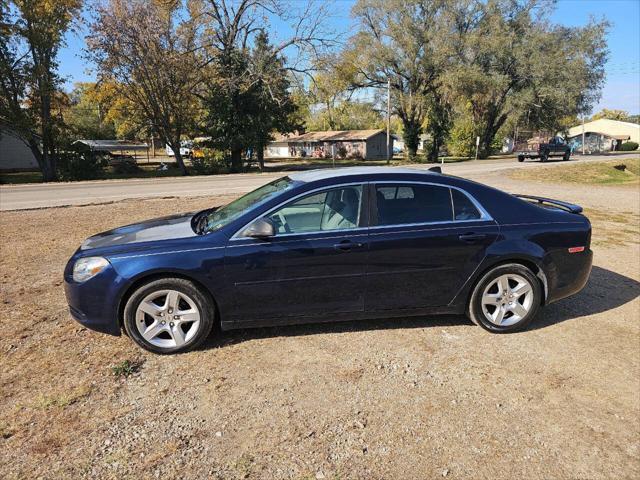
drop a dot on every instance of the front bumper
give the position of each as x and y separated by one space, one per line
94 303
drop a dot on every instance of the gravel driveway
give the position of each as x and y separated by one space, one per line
398 398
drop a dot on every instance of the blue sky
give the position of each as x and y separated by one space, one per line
622 88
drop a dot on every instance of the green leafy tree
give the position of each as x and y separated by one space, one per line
276 110
512 61
401 42
31 34
147 52
86 115
621 115
233 94
347 115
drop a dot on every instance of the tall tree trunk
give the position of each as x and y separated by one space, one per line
48 166
433 151
260 156
488 135
175 146
180 162
236 160
411 136
48 174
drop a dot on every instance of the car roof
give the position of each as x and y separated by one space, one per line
327 173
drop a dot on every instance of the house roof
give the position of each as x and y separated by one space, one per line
330 136
111 145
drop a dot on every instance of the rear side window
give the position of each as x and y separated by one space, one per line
463 208
402 204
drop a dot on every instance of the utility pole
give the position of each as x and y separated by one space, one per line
583 134
388 120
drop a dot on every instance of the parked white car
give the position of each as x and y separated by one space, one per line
186 148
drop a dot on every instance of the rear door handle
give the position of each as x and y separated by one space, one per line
472 237
347 245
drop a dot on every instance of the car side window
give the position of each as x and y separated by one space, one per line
415 203
463 208
334 209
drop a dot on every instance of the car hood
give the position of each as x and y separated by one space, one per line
164 228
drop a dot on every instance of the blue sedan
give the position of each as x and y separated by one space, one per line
331 245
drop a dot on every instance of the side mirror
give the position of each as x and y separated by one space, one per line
261 228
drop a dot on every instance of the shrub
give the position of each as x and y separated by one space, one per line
462 139
629 146
125 368
212 162
79 166
341 152
125 166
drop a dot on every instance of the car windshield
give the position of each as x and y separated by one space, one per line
225 215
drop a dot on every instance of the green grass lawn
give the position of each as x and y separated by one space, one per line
600 173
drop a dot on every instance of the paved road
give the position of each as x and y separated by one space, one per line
19 197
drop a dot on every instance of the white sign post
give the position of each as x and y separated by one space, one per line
477 145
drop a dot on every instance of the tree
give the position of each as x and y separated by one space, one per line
270 89
86 116
401 42
230 29
621 115
510 60
31 34
147 51
346 115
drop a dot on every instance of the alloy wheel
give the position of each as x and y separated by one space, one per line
507 300
167 318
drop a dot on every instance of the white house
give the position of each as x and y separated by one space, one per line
603 135
14 153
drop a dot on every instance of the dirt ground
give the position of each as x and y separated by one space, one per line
399 398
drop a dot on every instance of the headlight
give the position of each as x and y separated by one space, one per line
88 267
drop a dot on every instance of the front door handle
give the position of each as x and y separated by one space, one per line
347 245
472 237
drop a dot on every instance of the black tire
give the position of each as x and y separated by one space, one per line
475 310
544 156
203 302
567 156
521 158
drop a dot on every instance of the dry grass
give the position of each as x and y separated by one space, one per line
395 398
600 173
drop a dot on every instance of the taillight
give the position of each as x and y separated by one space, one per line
576 249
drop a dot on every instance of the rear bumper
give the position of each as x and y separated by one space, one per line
568 274
94 303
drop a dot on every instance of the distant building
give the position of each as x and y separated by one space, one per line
365 144
15 155
603 135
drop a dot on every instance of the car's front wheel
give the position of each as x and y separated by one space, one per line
505 299
566 156
169 315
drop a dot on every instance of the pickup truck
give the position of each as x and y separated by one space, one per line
555 147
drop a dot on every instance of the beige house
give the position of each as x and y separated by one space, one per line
603 135
365 144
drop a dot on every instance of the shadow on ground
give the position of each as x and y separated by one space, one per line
605 290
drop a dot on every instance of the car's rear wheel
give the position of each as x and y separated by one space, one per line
521 158
566 156
544 156
505 299
169 315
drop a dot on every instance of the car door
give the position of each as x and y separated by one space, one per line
425 241
314 265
